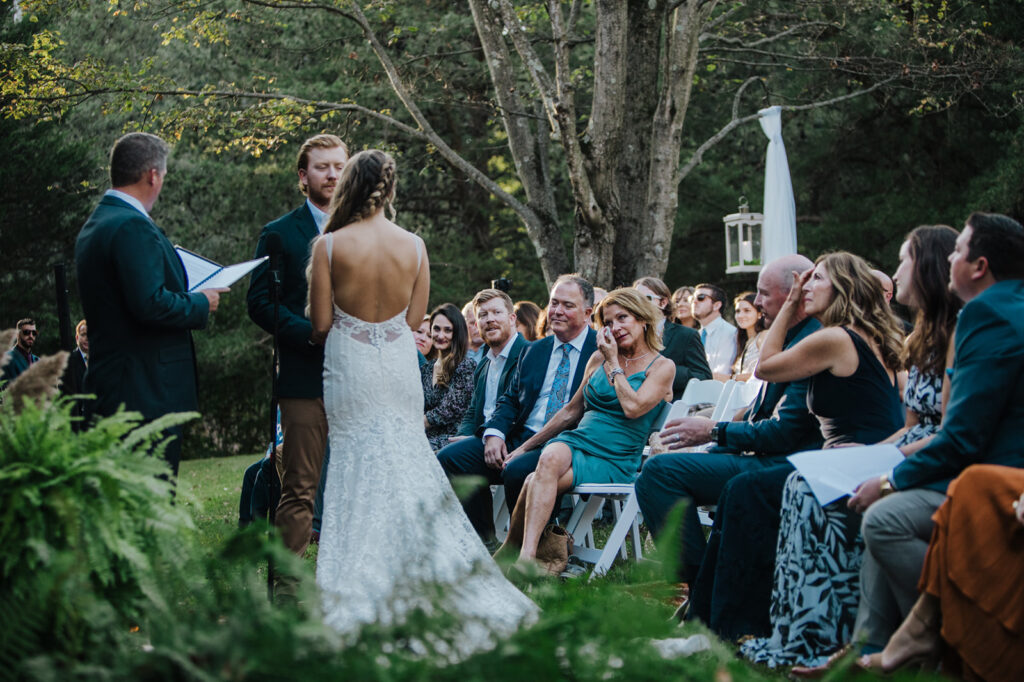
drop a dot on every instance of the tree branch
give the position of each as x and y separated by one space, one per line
767 39
698 156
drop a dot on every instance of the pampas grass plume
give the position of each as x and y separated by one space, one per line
40 382
7 338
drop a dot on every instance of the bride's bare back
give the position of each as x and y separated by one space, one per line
373 274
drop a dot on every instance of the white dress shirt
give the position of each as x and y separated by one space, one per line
535 422
720 345
319 217
129 199
496 365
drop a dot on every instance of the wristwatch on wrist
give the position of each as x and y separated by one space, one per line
615 372
716 433
885 486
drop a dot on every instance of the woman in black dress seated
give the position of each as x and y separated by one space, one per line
855 368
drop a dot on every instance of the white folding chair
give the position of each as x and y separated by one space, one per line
622 496
698 392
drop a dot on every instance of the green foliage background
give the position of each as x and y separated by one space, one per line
864 172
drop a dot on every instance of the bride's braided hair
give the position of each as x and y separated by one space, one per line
366 185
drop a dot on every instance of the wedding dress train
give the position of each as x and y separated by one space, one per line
394 537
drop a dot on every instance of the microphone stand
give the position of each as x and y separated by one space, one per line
275 298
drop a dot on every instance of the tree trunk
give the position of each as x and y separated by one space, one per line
633 238
526 142
681 44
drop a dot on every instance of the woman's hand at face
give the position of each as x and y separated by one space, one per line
796 292
606 344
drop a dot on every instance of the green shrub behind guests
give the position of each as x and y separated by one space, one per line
87 528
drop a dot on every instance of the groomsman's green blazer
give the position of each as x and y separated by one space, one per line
474 417
984 420
134 294
302 363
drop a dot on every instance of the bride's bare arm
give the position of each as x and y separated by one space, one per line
321 311
420 293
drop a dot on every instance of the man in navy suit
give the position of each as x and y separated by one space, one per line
503 346
983 423
529 400
300 378
777 424
135 295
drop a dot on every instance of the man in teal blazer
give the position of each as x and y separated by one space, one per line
300 376
983 423
135 295
21 356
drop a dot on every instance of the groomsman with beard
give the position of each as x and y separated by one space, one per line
300 378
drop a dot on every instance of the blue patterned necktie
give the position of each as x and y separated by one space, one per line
560 386
704 336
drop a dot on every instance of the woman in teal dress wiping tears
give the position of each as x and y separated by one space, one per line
625 384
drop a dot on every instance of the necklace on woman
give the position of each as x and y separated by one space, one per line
638 358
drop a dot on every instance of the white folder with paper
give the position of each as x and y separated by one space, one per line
203 273
836 472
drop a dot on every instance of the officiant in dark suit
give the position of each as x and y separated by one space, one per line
300 376
549 373
135 296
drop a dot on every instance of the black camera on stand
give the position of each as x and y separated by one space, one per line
502 284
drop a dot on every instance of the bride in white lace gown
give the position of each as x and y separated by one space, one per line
394 537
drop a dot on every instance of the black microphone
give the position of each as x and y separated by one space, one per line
274 249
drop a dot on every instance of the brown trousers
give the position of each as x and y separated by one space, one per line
304 427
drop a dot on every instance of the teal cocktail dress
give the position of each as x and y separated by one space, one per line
606 445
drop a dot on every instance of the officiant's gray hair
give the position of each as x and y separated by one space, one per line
135 154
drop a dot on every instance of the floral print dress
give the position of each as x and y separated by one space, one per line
816 585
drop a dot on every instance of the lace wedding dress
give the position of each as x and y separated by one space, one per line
394 537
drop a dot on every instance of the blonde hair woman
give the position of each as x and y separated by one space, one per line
613 412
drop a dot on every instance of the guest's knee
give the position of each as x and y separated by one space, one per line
553 462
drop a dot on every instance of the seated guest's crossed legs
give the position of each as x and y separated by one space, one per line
553 476
466 458
515 475
696 478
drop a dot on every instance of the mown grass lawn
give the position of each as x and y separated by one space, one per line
211 489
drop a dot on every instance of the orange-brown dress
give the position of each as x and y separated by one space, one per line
975 566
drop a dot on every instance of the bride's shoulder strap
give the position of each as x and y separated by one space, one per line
329 245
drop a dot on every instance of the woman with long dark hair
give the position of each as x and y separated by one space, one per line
448 379
750 333
816 582
683 310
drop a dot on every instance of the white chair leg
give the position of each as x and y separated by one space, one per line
617 538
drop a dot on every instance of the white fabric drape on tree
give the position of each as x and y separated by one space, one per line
779 230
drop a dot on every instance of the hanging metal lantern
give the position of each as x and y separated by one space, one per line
743 243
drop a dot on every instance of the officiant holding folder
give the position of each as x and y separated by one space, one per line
135 295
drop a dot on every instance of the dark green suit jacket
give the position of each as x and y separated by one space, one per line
134 294
683 347
984 421
302 363
474 417
15 366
